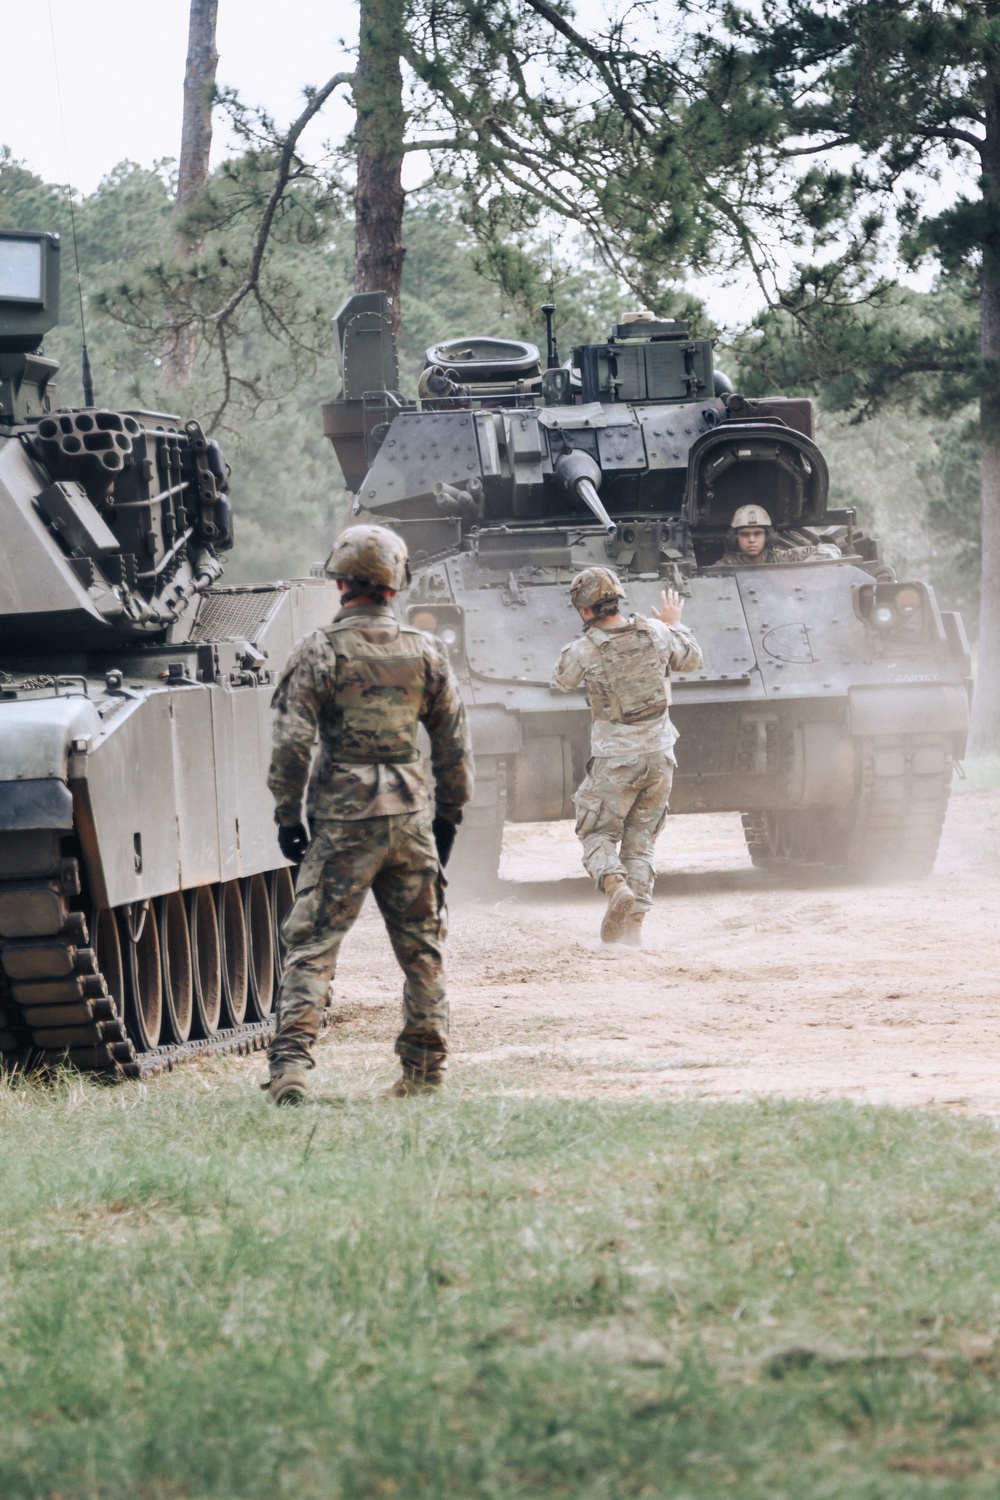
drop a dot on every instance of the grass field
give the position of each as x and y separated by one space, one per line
476 1295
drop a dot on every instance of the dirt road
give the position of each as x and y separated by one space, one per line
745 986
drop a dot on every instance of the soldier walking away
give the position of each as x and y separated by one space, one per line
624 665
363 686
752 541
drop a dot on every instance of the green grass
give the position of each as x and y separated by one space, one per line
480 1296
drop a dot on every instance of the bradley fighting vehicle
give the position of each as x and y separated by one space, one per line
141 884
833 700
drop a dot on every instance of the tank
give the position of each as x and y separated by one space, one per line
141 885
833 702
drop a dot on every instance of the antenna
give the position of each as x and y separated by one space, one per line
88 374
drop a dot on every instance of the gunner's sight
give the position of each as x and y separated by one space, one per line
29 289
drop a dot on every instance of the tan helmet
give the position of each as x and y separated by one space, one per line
370 554
750 515
593 586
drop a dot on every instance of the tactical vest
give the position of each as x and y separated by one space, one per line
632 685
375 712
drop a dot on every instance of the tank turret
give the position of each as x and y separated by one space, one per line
832 733
140 878
639 426
115 518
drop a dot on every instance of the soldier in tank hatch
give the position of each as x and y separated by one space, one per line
624 664
363 686
752 540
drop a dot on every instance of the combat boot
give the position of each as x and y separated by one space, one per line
621 908
288 1087
632 935
416 1080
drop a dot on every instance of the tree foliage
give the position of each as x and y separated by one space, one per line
907 94
287 489
642 136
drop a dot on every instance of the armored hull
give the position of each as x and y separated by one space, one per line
833 700
141 884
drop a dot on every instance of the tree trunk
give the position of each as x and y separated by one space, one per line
192 171
379 132
986 704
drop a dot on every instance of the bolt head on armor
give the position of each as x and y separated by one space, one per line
370 554
593 586
750 515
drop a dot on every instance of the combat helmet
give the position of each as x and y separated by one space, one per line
595 586
370 554
750 515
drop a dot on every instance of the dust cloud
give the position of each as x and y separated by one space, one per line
746 985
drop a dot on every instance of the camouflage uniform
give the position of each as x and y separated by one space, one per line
780 553
363 685
622 802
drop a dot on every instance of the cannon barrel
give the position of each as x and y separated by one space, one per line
580 475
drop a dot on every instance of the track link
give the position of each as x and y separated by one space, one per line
56 1007
902 801
891 828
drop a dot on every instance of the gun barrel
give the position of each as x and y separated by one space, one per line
591 498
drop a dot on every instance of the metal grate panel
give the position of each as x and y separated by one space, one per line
235 613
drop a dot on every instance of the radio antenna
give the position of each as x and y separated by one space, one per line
88 374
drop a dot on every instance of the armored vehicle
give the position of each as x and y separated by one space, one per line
833 700
141 884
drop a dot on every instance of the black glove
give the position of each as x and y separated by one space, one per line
444 831
293 841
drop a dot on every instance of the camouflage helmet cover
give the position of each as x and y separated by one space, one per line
370 554
593 586
750 515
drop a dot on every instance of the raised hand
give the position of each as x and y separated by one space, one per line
671 607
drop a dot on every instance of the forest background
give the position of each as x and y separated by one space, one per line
908 463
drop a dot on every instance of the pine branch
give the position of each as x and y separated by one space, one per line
284 173
843 140
603 61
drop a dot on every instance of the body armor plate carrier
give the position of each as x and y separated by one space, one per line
375 713
632 687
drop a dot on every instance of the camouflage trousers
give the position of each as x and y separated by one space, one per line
621 806
396 859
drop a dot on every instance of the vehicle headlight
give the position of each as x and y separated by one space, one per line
449 635
896 608
908 601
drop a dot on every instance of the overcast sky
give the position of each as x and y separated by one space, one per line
121 75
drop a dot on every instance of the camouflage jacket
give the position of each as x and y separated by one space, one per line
360 688
583 664
783 553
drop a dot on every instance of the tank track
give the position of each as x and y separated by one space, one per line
473 870
905 786
891 828
58 1009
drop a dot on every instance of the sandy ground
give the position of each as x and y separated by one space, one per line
745 985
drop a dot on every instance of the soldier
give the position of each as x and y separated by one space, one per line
363 685
752 541
624 665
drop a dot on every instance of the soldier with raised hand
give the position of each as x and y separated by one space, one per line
624 665
362 686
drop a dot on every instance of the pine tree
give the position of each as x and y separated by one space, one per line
650 146
192 169
904 85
